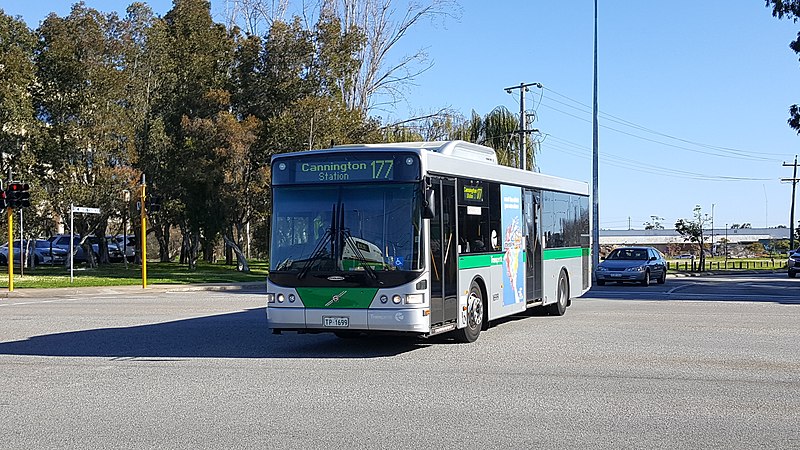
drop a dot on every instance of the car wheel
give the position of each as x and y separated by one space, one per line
791 273
663 278
562 297
475 314
646 280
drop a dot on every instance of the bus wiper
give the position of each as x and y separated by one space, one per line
359 256
316 255
318 249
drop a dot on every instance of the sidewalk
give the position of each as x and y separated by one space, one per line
252 286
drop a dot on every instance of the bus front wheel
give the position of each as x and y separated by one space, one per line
475 307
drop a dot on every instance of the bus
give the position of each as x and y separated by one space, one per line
419 238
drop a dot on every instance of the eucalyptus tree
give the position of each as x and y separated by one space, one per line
789 9
80 96
18 125
383 73
148 73
201 54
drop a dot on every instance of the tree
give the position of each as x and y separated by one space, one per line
655 224
80 97
789 9
692 231
381 77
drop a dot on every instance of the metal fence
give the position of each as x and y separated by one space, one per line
694 265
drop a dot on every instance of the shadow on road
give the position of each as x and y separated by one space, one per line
713 289
236 335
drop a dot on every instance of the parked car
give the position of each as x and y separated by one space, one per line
62 241
685 256
794 263
129 245
43 252
638 264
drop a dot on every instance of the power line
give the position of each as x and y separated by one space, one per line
626 163
621 121
719 154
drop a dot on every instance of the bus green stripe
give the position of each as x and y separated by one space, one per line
563 253
475 261
319 297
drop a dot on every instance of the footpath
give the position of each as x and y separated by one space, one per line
55 293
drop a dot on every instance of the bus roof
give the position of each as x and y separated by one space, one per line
464 159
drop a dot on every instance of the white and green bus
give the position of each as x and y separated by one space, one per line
420 238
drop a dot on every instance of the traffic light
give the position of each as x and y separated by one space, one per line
17 195
153 203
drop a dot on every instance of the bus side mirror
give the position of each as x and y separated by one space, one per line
428 209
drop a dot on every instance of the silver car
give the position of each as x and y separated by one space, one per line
637 264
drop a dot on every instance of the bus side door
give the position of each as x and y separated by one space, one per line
444 270
532 212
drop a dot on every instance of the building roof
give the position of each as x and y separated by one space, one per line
656 237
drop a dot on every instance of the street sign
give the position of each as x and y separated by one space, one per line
85 210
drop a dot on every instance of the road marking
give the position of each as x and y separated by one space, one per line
55 300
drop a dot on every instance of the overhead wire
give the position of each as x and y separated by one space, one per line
613 118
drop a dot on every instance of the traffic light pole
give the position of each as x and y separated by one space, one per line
143 235
10 213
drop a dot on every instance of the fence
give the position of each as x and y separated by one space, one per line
694 265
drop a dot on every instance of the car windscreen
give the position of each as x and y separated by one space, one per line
628 254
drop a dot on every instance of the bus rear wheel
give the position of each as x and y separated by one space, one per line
475 307
562 297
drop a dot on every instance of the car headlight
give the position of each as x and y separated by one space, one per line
635 269
270 298
601 269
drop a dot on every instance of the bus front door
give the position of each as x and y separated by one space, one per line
444 270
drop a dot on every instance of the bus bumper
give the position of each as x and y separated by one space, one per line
408 320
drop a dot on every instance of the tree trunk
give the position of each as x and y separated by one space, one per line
241 265
163 232
228 246
194 245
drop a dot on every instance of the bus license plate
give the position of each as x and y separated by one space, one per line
336 322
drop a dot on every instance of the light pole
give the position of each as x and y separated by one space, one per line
595 161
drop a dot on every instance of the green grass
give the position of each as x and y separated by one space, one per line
118 275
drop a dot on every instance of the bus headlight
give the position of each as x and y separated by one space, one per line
415 299
281 298
270 298
396 299
384 298
291 298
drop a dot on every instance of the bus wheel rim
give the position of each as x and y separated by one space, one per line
475 311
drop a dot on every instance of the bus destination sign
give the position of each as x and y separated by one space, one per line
375 169
347 168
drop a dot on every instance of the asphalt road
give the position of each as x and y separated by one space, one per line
695 363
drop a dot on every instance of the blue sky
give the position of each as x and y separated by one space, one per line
693 95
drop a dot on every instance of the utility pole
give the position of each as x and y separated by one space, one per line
595 161
712 230
794 186
523 131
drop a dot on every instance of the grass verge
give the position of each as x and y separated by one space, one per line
119 275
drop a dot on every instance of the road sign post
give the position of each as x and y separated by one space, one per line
72 210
